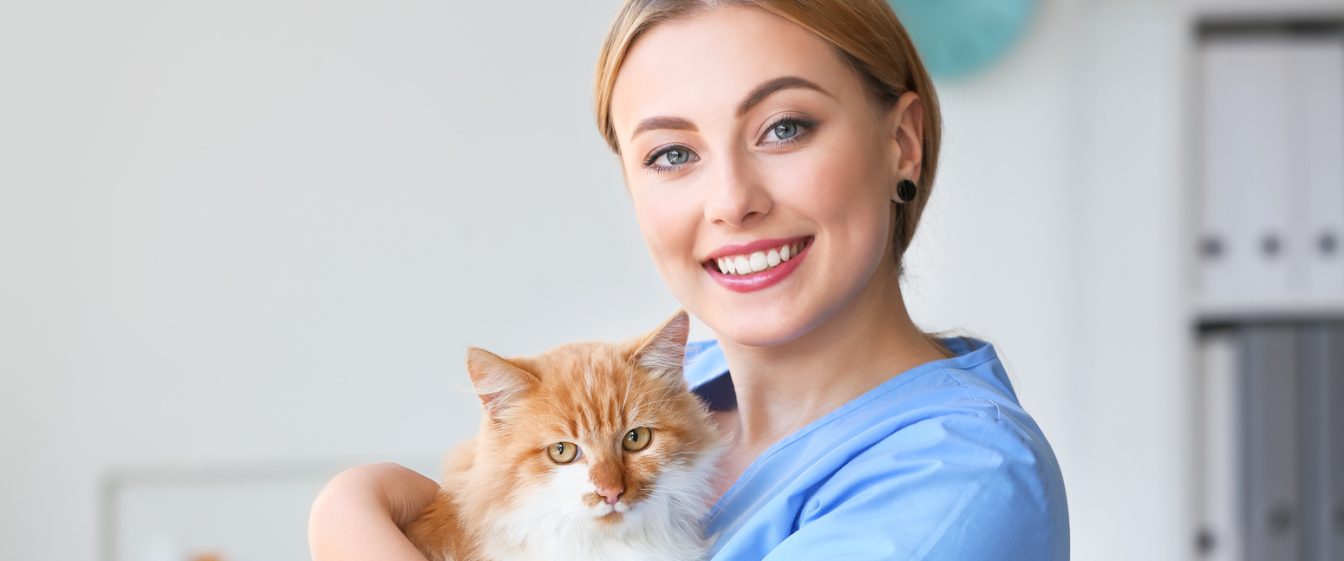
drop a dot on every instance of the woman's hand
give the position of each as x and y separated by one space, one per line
359 514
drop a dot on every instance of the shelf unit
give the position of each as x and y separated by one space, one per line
1267 465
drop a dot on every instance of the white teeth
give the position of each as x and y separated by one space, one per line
758 262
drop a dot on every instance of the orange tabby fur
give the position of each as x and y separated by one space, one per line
503 497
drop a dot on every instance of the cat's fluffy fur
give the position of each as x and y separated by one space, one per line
504 499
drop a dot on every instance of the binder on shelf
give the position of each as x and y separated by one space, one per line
1316 66
1246 168
1222 534
1334 436
1271 405
1322 421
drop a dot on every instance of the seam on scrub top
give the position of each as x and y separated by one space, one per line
998 414
1037 465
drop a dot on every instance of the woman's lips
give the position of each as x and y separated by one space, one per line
768 266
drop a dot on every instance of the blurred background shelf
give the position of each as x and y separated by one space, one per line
1267 470
224 512
241 513
1227 311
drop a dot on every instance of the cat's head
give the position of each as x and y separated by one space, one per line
601 433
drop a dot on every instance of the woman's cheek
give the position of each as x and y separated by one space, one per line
667 223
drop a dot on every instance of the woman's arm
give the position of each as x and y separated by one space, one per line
359 514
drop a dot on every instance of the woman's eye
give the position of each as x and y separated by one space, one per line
670 158
786 130
676 156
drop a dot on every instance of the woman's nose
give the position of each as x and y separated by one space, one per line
737 197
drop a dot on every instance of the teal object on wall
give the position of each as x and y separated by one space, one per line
959 37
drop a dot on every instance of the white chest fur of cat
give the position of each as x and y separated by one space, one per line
591 451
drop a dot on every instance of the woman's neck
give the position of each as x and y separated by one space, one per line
781 389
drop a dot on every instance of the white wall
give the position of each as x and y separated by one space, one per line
1129 488
262 233
259 235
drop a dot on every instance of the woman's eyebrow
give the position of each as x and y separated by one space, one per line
769 87
653 123
756 96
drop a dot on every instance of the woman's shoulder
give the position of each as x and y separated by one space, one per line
923 459
959 414
971 389
952 468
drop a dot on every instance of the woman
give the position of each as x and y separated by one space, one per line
779 155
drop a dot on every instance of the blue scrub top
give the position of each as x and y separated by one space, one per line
937 463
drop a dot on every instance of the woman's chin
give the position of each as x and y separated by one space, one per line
756 328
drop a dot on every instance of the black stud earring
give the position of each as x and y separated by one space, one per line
905 191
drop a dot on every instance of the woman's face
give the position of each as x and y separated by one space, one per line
749 144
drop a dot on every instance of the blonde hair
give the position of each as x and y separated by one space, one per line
866 32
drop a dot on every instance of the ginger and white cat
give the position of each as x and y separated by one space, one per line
592 451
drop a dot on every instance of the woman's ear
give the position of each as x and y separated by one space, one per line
906 122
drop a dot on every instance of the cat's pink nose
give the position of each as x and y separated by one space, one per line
611 494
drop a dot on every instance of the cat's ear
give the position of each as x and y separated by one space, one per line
499 383
664 350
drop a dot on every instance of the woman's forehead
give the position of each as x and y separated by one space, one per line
703 66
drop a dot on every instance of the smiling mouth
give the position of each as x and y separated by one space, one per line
757 261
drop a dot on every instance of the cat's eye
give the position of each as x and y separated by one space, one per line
562 452
637 439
